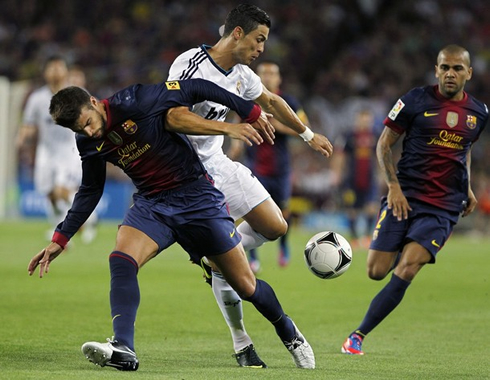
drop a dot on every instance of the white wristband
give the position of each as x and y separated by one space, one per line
307 135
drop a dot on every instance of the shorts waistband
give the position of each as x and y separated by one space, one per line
201 179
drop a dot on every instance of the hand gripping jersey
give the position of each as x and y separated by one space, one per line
137 141
240 80
438 135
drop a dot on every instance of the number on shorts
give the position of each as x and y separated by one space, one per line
381 218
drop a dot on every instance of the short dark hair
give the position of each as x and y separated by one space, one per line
66 106
246 16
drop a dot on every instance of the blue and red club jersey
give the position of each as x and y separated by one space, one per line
136 141
268 160
438 135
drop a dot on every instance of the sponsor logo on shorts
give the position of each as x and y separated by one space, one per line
232 233
99 148
434 243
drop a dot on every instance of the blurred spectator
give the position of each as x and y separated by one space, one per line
356 152
334 53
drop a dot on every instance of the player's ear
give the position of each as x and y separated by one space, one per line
93 101
238 32
436 74
470 73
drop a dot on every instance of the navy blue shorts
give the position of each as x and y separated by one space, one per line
195 216
430 228
279 188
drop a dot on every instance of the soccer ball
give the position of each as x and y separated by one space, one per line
328 254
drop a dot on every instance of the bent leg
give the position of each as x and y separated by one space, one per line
133 249
413 258
380 263
263 223
235 269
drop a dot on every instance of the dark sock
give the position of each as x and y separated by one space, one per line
383 304
265 301
124 296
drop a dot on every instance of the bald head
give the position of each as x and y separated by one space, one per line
455 50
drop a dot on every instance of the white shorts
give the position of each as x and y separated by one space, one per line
242 190
51 172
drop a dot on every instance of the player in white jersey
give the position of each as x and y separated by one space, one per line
57 165
226 63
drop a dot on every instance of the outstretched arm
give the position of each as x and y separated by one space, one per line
278 107
44 258
83 205
396 200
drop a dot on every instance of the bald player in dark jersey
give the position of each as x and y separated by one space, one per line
137 130
431 187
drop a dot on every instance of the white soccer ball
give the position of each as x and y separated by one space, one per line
328 254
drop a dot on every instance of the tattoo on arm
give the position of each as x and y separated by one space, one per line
385 155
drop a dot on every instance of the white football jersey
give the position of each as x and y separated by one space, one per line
53 141
240 80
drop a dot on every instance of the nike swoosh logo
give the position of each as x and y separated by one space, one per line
435 244
427 114
100 146
232 233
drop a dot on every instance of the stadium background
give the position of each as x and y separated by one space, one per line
335 56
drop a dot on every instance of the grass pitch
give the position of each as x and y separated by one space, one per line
439 331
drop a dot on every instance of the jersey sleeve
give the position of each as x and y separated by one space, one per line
85 201
400 116
254 86
200 90
30 112
178 67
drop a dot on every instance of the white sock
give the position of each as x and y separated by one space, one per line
250 238
230 305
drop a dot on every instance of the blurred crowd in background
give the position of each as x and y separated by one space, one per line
336 56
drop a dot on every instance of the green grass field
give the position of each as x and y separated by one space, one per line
438 332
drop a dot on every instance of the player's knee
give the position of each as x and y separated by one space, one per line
408 272
279 229
376 273
245 288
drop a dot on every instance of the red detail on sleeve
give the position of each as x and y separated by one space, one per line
254 114
395 127
60 239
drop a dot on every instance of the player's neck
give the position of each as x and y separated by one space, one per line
222 55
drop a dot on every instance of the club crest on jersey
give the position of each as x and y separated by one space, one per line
130 127
471 121
173 85
452 119
396 109
238 87
115 138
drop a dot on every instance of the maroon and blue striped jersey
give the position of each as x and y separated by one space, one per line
438 135
137 142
